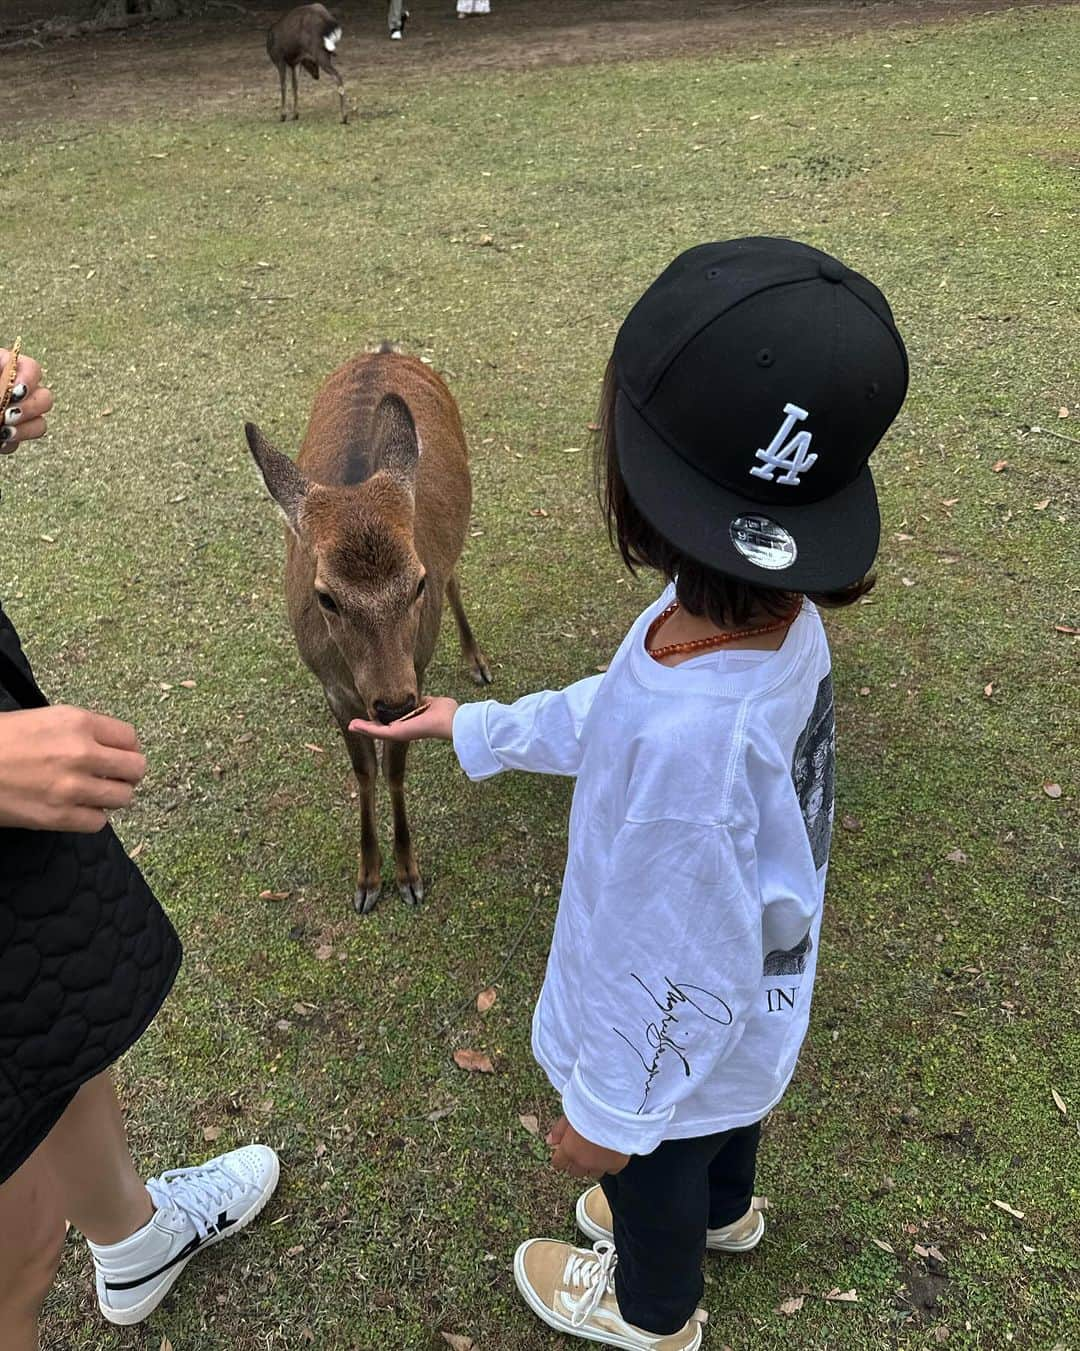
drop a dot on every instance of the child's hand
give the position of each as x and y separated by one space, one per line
579 1157
436 721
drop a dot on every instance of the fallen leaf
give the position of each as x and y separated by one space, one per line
865 690
1059 1102
907 581
439 1113
283 1025
310 746
1063 412
1041 506
920 1251
956 856
941 1333
47 539
458 1341
164 685
842 1296
166 1345
294 1252
999 465
323 952
307 1335
473 1061
485 999
880 1243
851 823
211 1132
902 538
936 1254
1058 628
791 1305
948 502
187 684
158 155
1009 1210
105 412
988 690
138 850
531 1123
1052 789
274 895
538 511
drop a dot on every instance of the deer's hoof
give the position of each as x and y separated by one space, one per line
412 890
366 898
480 670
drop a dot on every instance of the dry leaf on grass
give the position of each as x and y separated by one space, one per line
791 1305
166 1345
935 1253
310 746
274 895
851 823
1052 789
1059 1102
1065 628
1041 506
956 856
323 952
458 1341
999 465
531 1123
839 1296
988 690
1009 1210
474 1061
295 1251
485 999
880 1243
211 1133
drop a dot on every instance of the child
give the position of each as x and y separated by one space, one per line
747 389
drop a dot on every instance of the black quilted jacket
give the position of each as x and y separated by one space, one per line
86 955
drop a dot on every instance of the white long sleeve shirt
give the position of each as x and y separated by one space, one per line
678 987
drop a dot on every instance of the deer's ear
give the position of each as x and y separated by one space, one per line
284 482
395 445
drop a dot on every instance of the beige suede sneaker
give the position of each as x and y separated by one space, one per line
594 1220
573 1290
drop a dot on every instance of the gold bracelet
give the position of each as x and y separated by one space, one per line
8 384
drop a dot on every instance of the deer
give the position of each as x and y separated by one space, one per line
307 36
376 508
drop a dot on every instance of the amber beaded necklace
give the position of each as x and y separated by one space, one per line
717 640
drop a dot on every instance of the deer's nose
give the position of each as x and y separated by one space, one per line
388 713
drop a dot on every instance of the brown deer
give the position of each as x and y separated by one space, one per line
307 36
377 505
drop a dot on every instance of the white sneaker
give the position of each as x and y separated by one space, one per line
742 1235
196 1207
396 35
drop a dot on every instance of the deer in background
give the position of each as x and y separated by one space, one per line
377 505
307 36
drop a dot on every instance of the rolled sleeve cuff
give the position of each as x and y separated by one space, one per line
471 744
611 1127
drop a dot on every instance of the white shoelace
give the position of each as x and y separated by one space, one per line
594 1275
199 1194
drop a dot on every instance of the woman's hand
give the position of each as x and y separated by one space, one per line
30 401
573 1154
65 768
436 721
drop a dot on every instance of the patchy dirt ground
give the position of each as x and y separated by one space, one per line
220 58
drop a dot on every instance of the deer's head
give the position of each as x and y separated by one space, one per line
369 582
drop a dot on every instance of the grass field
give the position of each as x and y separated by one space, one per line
193 267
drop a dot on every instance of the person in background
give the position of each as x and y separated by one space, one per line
397 16
467 7
87 956
747 389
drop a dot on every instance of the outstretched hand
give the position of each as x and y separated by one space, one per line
436 721
24 419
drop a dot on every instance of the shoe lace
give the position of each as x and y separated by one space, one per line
198 1194
591 1273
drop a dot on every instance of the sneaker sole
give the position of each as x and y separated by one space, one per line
592 1230
562 1324
127 1318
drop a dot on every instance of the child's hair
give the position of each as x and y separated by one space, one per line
702 591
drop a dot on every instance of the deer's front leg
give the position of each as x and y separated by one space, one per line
366 768
408 873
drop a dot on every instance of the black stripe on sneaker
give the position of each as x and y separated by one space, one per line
188 1250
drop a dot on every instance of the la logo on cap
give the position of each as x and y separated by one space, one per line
796 456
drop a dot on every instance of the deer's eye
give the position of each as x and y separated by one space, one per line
326 601
420 586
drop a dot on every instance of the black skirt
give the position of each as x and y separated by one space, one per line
87 956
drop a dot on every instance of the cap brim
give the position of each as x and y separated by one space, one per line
835 540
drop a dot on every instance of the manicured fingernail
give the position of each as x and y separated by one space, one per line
12 415
19 392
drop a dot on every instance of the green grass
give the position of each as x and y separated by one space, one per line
189 269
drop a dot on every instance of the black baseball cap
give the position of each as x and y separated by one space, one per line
754 377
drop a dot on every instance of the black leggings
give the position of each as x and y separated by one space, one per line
662 1204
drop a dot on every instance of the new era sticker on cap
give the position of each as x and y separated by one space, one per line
763 542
